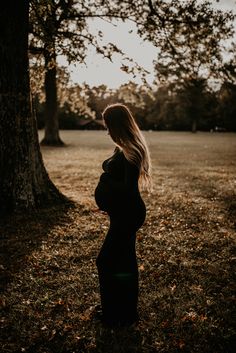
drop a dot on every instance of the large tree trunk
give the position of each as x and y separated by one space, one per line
24 182
51 137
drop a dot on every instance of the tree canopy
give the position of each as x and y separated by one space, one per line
189 37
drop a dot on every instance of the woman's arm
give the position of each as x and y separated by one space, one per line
130 181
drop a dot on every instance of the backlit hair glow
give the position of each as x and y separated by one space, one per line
127 136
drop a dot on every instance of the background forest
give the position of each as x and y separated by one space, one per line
194 80
165 108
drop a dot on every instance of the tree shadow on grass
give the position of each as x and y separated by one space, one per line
23 233
209 189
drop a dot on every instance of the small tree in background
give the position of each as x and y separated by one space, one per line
227 106
60 28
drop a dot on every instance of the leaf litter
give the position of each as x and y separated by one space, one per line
185 250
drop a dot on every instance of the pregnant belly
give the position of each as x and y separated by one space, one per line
130 206
103 196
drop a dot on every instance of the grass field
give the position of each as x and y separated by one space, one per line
185 249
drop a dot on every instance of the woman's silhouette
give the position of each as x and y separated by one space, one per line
117 193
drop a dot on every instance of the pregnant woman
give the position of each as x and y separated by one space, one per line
117 193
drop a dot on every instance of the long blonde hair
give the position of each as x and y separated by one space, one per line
126 134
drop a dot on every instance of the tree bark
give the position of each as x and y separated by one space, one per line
51 137
24 182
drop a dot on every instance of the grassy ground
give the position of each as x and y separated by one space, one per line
186 253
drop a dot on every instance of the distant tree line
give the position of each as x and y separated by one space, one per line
192 106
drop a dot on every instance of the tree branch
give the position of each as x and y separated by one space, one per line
155 13
35 50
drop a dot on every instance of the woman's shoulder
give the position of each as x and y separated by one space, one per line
120 158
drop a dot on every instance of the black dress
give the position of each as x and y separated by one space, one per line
117 193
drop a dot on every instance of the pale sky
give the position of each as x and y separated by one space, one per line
102 71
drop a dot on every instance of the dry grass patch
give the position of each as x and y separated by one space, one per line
186 253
